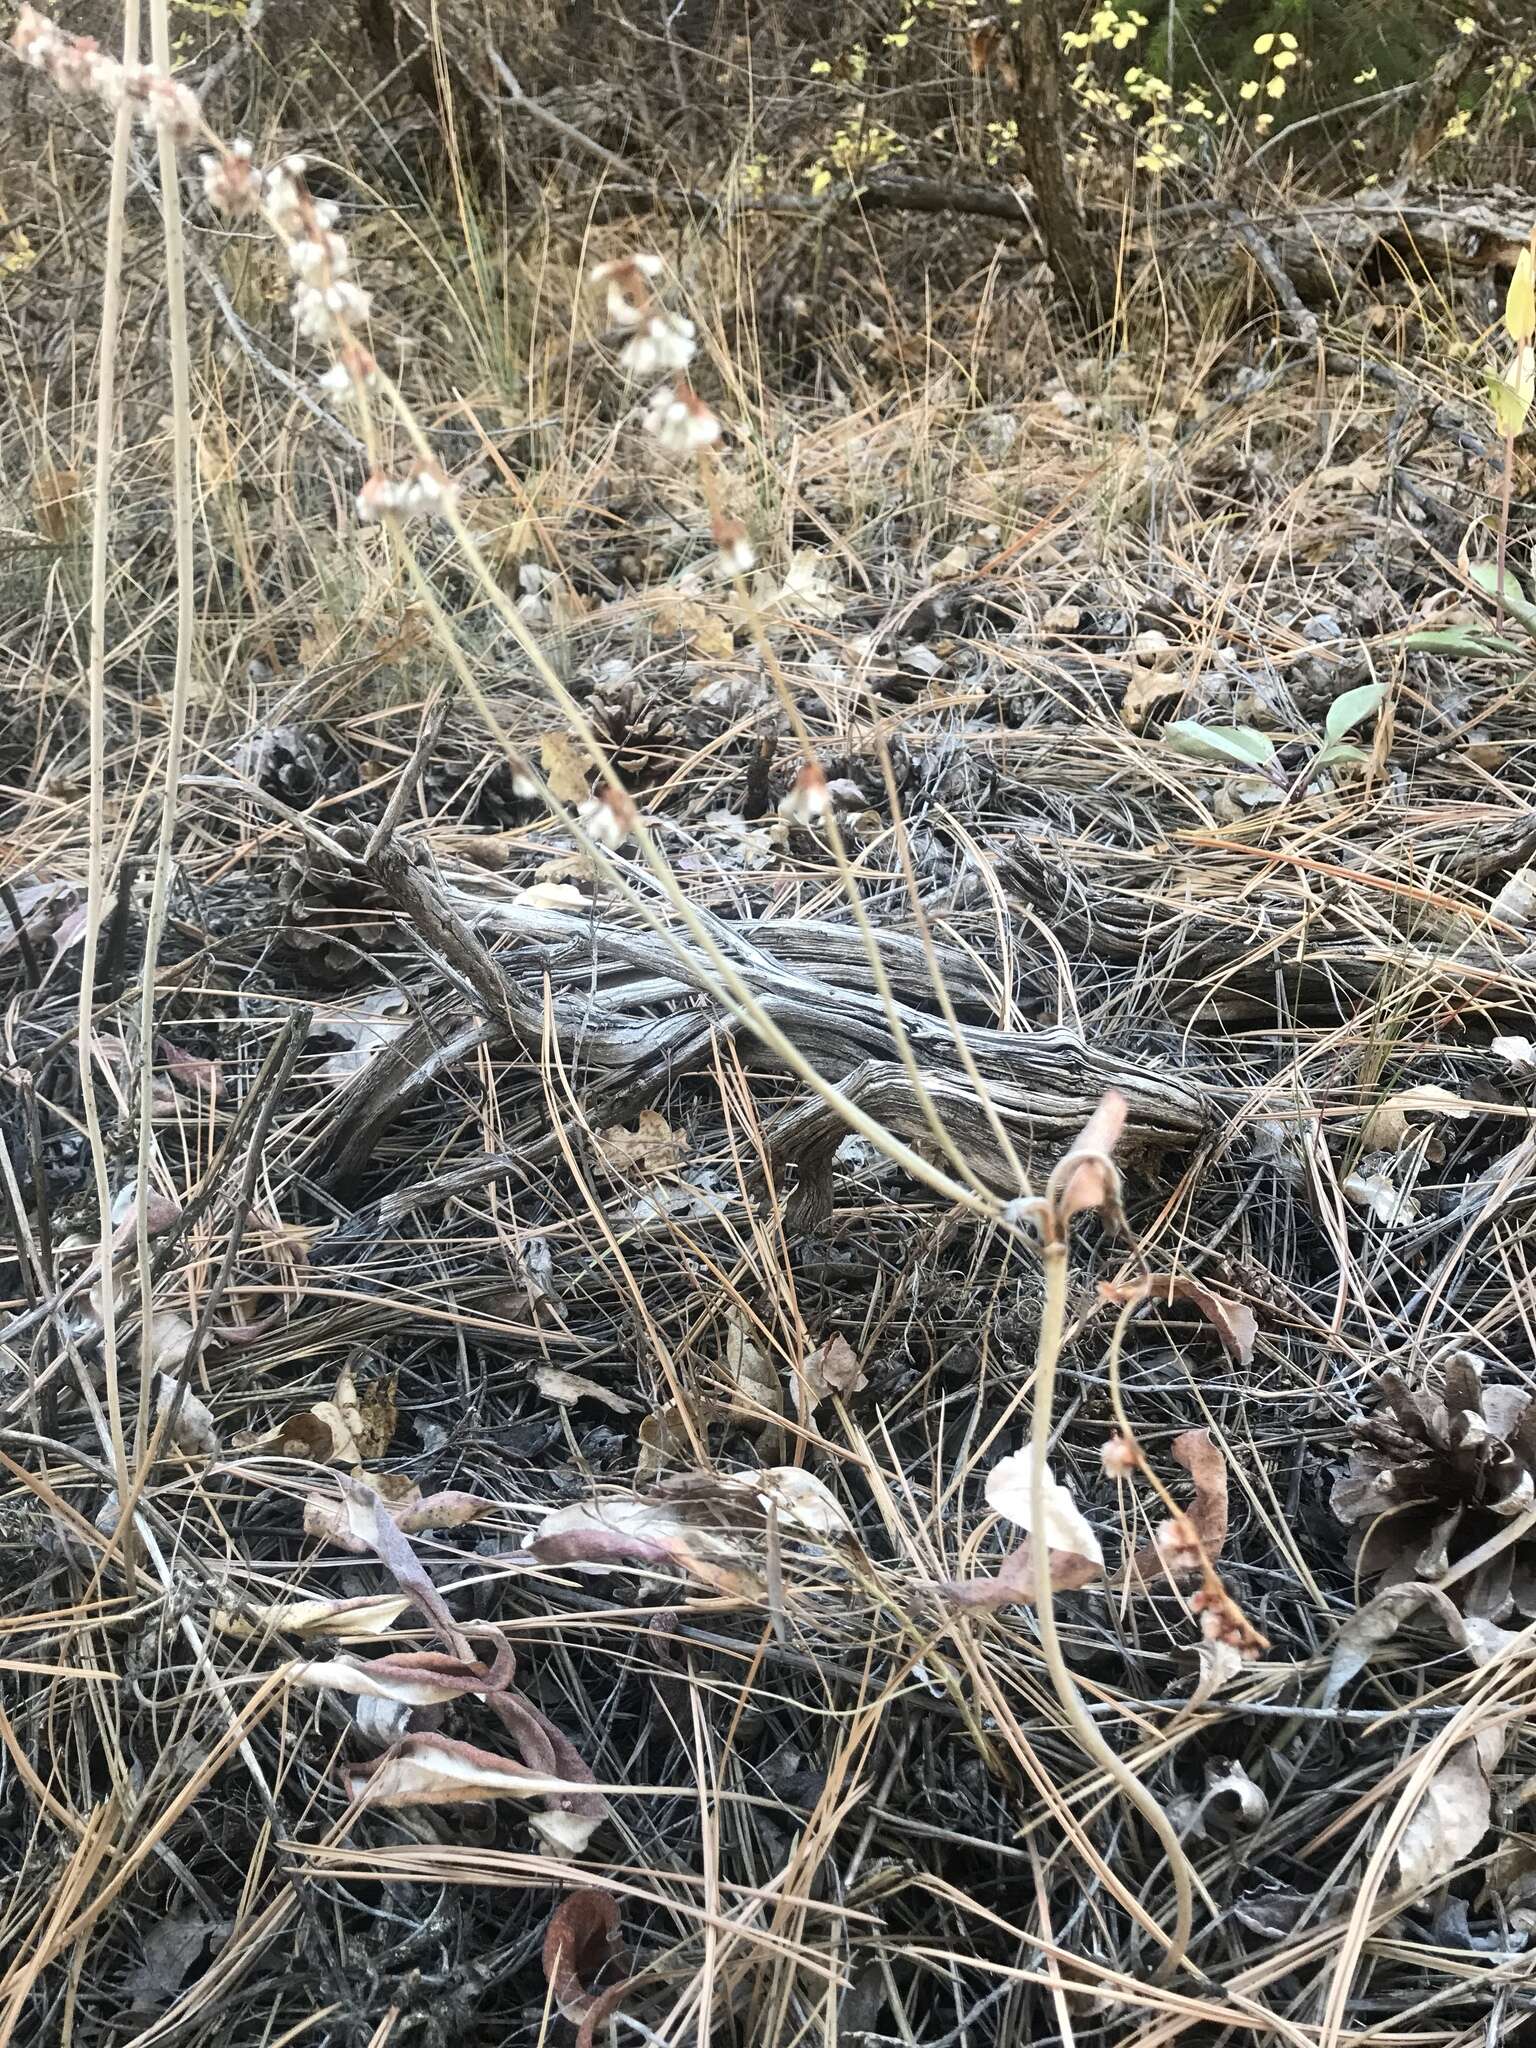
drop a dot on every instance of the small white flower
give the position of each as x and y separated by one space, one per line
665 342
605 822
807 800
428 490
354 367
231 183
321 310
680 420
319 257
736 554
380 496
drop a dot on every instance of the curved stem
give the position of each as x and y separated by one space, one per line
1053 1317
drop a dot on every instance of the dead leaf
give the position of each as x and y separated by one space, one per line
1014 1582
1452 1817
801 1500
171 1946
564 769
810 589
435 1770
570 1387
748 1369
1233 1321
368 1413
652 1147
351 1523
368 1616
194 1431
1380 1619
1010 1492
60 505
1362 476
1231 1803
833 1368
1195 1450
1386 1127
1394 1207
410 1678
368 1026
580 1943
623 1529
1518 1054
1219 1663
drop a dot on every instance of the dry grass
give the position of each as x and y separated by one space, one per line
840 1806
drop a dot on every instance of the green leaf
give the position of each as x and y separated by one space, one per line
1237 744
1337 752
1460 640
1486 576
1353 708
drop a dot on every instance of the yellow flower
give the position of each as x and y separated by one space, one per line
1520 300
1276 86
1287 40
1263 45
1284 59
1457 125
1248 89
1366 77
1465 25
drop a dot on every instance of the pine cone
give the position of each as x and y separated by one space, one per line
1434 1476
632 721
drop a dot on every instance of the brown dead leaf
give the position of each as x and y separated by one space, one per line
569 1387
1451 1819
564 769
748 1368
580 1943
1195 1450
434 1770
624 1529
368 1616
194 1431
1233 1321
1014 1583
1387 1127
705 630
60 505
351 1522
652 1147
368 1412
1149 685
833 1368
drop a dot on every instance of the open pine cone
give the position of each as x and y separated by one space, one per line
1434 1475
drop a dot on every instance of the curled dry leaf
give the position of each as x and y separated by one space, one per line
1231 1803
1010 1492
580 1943
748 1368
348 1620
802 1501
652 1147
1085 1176
1452 1817
1380 1619
355 1425
1207 1513
1013 1585
410 1678
1518 1054
1386 1127
833 1368
1220 1662
564 769
194 1430
626 1530
351 1522
435 1770
367 1026
1233 1321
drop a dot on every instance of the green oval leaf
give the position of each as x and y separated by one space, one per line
1486 576
1353 708
1236 744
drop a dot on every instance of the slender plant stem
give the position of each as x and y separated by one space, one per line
184 532
96 877
1053 1319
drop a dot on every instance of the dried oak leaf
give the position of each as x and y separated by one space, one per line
1233 1321
652 1147
1450 1820
833 1368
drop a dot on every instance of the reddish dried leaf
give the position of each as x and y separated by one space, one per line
1014 1585
579 1944
1197 1453
1233 1321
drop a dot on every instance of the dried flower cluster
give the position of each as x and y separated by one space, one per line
77 66
659 342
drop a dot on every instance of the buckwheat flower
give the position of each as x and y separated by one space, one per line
35 39
807 800
288 204
353 370
609 819
427 490
680 420
1178 1546
320 257
665 342
380 497
166 107
74 66
324 311
231 182
108 81
626 283
736 554
1119 1457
